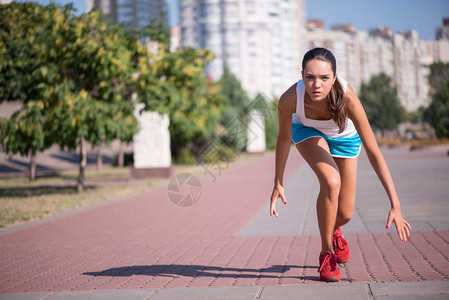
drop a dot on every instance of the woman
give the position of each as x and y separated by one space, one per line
324 117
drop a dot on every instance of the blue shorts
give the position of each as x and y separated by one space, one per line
348 147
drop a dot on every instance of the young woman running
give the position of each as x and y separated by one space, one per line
323 116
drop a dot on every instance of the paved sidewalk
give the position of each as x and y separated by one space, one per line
225 246
384 291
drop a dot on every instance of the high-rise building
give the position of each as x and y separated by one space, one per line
103 5
442 33
402 56
442 37
137 13
261 41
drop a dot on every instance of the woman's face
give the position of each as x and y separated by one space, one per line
318 78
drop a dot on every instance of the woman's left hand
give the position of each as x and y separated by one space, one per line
402 226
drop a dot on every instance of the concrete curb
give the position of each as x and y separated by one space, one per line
390 290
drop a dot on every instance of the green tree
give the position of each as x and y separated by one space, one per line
77 71
26 133
97 106
235 116
439 74
437 113
381 103
272 125
158 30
80 78
32 44
174 83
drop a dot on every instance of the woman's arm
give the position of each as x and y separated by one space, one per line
286 107
358 116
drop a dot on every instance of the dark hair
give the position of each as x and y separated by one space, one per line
336 98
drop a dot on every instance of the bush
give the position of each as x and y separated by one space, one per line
185 157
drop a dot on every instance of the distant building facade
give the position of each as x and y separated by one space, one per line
402 56
261 42
103 5
441 51
442 33
136 13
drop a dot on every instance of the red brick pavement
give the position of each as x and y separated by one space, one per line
148 242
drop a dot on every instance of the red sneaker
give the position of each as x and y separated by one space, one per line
341 247
328 268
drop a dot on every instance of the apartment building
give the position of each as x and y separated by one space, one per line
136 13
402 56
441 50
261 41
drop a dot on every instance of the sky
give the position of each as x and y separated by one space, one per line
400 15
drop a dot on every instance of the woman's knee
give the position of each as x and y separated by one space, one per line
331 185
344 216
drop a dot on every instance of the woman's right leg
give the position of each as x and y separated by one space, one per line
316 153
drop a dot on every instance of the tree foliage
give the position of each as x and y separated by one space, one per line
381 103
81 77
32 44
439 75
235 115
174 83
271 123
99 74
437 113
77 71
32 38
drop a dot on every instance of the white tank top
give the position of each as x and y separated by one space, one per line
328 127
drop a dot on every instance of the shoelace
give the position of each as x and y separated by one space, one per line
327 261
339 243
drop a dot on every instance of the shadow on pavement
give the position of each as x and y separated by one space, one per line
73 157
27 165
70 161
203 271
5 169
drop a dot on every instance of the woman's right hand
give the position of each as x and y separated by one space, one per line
278 192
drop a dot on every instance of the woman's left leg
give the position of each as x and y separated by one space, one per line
346 199
346 202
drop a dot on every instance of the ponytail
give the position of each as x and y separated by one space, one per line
337 105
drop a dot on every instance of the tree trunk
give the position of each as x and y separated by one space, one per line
121 156
83 163
32 166
99 159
